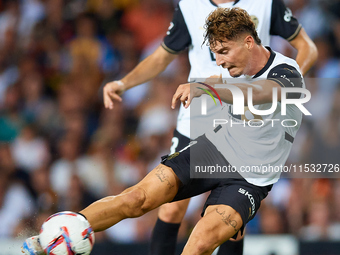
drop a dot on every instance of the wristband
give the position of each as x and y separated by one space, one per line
121 85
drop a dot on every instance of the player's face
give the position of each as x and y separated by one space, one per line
232 55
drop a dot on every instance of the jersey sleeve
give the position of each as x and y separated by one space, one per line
177 37
286 76
283 23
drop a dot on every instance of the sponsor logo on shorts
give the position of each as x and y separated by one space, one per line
251 199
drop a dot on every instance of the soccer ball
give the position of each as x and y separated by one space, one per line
66 233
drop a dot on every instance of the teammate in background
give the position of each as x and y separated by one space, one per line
271 17
233 201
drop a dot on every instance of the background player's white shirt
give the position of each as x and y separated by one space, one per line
243 145
187 30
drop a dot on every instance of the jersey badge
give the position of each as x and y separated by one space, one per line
288 15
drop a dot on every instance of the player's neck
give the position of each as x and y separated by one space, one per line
259 60
217 2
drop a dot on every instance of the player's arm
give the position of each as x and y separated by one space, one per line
284 24
261 90
280 76
176 40
307 51
143 72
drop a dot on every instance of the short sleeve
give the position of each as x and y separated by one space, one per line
177 37
283 23
286 76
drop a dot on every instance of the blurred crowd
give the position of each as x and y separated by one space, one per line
60 149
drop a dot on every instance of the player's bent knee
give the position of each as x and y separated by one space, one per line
135 203
204 247
172 212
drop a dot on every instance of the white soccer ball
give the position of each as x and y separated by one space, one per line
66 233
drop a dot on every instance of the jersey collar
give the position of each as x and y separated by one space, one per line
211 1
270 61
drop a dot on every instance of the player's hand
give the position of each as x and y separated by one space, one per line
183 94
112 92
197 89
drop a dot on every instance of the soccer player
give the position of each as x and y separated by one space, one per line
233 201
271 17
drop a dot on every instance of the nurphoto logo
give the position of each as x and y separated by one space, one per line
238 100
242 112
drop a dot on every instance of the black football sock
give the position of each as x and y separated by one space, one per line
164 238
231 248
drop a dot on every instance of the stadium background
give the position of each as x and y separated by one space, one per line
60 149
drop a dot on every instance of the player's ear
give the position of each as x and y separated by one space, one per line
249 42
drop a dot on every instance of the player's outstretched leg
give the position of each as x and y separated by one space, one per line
158 187
219 223
164 235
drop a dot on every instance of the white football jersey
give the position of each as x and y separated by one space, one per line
186 30
252 147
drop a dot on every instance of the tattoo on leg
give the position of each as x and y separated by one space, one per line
226 219
163 177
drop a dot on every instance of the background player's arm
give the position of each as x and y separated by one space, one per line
143 72
284 24
176 40
307 51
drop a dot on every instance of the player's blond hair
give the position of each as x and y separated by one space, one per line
230 24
